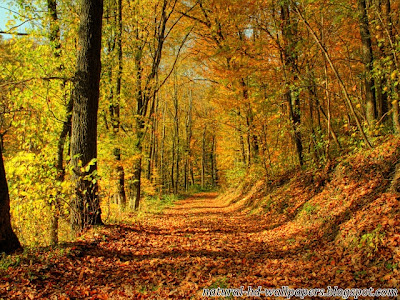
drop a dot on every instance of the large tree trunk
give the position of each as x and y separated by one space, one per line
8 240
368 60
86 205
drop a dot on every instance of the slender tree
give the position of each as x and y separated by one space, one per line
55 41
289 60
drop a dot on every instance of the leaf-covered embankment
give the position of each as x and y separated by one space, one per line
345 218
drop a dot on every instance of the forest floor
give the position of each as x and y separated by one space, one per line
200 242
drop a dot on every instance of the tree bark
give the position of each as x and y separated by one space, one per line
289 57
251 137
121 194
86 204
203 159
162 148
115 111
55 42
213 160
368 60
392 53
176 134
241 140
188 151
8 240
382 97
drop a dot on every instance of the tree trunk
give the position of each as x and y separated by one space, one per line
55 42
294 115
172 178
140 127
66 130
115 112
382 103
176 134
121 179
162 150
368 60
203 159
289 58
392 53
86 204
8 240
140 107
213 159
54 36
137 175
188 151
251 137
241 141
151 162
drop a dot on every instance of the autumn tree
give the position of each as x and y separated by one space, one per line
86 204
289 59
368 60
55 43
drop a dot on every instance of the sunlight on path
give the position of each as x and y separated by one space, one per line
198 243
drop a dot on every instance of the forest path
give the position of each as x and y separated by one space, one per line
198 243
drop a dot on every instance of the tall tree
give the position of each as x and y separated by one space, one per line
289 60
368 60
55 41
115 43
86 204
8 240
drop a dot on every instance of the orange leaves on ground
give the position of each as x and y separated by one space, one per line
203 243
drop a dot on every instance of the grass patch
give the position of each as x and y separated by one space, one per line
310 209
156 204
7 261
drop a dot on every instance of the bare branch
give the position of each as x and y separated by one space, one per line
13 33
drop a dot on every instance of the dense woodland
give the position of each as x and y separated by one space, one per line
107 105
